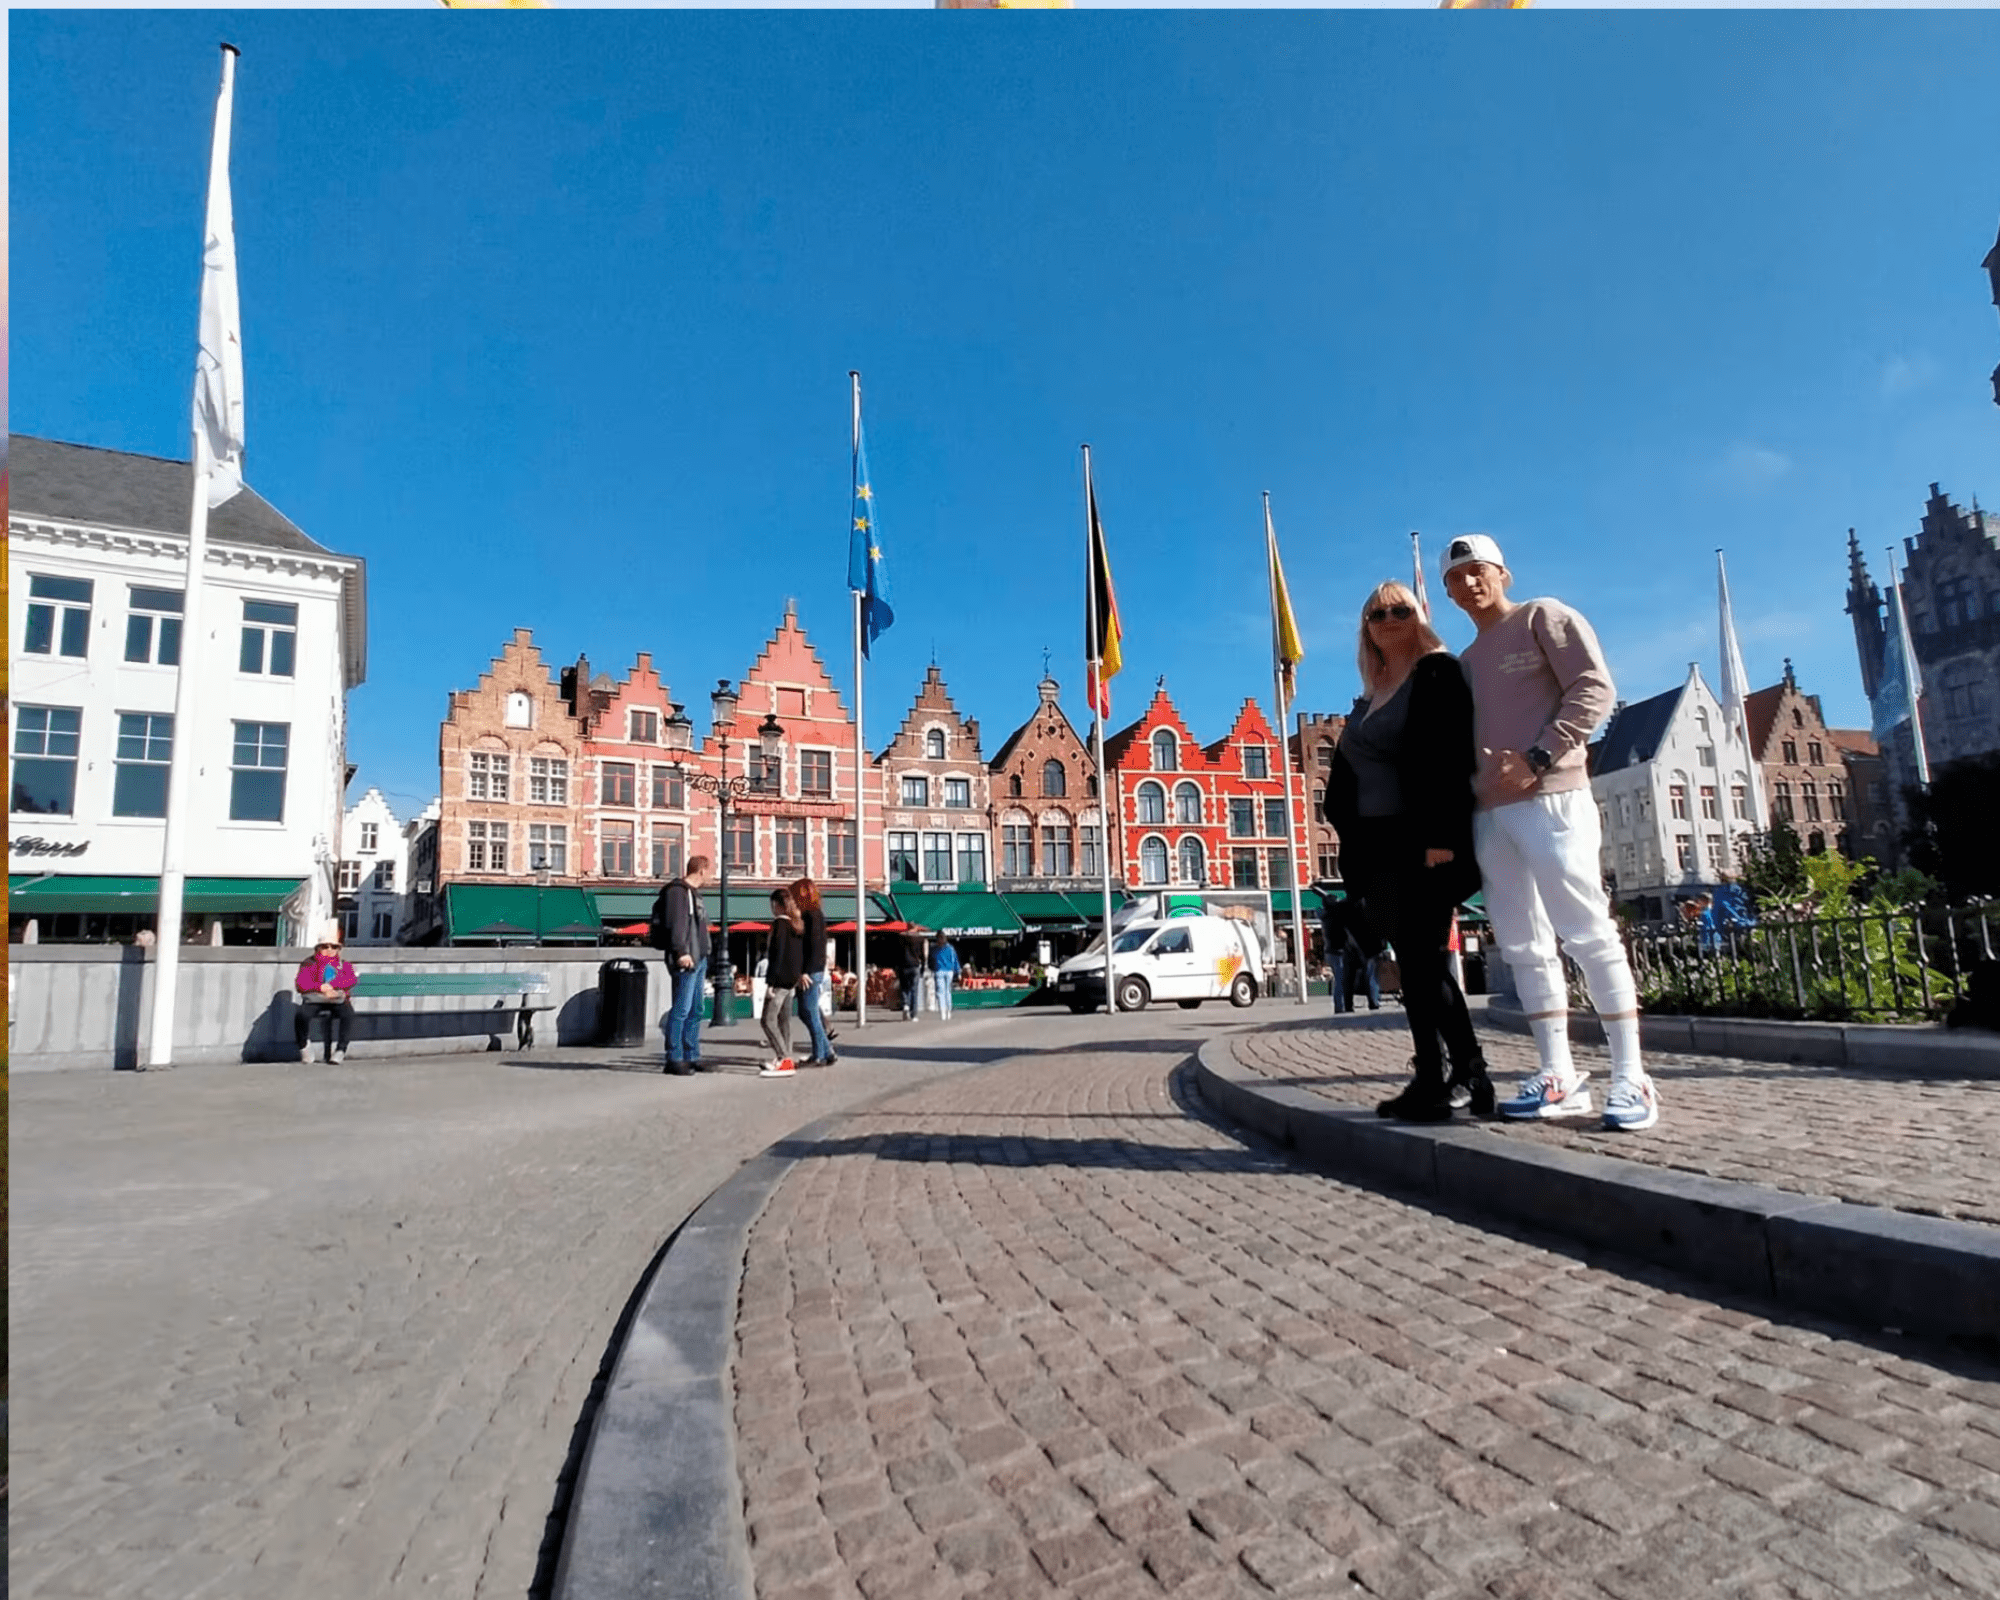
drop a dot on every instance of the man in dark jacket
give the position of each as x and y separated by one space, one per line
1350 951
679 907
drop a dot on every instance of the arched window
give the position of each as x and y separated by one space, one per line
1166 753
934 745
1014 785
1194 861
1055 779
1187 804
1153 860
1153 806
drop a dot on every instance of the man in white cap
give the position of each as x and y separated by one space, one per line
1539 686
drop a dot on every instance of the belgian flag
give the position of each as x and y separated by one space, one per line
1103 636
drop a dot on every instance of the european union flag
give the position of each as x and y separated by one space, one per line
864 553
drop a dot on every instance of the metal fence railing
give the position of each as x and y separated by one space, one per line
1881 965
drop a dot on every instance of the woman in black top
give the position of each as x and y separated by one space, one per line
806 897
1400 796
784 971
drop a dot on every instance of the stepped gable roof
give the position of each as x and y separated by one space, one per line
932 697
642 689
518 666
1250 723
789 657
1635 731
91 487
1760 715
1049 704
1160 712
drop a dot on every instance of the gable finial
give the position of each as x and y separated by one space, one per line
1045 661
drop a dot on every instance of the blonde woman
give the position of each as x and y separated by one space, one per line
1400 796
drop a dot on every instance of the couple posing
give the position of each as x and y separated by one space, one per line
1451 771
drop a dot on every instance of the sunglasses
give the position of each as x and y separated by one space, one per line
1400 613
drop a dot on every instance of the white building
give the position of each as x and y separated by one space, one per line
96 572
1674 795
373 881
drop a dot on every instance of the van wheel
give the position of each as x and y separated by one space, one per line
1133 995
1243 991
1187 1005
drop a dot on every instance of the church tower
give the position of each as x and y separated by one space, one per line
1864 605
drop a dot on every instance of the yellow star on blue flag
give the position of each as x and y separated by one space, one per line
864 555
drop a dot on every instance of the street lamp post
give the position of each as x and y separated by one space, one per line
770 739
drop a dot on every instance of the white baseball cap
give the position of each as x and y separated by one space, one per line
1468 548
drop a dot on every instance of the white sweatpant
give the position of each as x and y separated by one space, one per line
1538 858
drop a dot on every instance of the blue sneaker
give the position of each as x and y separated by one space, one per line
1546 1096
1632 1107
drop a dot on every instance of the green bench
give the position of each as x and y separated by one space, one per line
523 993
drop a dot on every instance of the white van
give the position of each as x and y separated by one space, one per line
1186 959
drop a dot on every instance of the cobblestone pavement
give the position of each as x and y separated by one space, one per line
1926 1145
327 1331
1045 1330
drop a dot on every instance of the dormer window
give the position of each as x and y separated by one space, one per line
934 745
1166 752
520 710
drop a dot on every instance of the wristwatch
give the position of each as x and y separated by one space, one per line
1538 758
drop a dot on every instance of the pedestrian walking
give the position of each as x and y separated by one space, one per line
1539 686
680 929
1400 796
326 988
944 972
812 997
784 979
1339 920
910 972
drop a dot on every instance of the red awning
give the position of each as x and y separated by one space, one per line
640 928
749 927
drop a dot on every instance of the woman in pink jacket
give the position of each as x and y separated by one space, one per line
325 984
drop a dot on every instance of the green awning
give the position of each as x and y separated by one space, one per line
1045 908
519 914
620 908
36 894
968 913
1090 907
1281 902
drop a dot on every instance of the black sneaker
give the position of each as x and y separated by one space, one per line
1470 1087
678 1069
1422 1100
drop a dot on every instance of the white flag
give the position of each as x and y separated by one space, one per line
1896 691
218 368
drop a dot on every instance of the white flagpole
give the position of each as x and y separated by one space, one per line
1912 685
1098 693
860 771
218 420
1735 710
1285 751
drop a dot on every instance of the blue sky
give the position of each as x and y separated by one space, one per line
550 318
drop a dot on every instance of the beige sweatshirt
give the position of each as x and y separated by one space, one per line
1538 678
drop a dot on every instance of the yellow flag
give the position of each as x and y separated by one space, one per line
1286 645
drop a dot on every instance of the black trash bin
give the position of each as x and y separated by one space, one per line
621 1002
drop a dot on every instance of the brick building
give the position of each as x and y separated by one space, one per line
1048 829
510 790
1869 832
1167 820
1261 825
936 802
637 828
1805 776
1312 748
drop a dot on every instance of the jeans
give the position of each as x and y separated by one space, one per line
815 1019
339 1016
1543 883
684 1019
941 983
1346 968
908 982
777 1023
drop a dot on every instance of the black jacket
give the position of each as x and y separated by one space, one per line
814 939
784 956
687 922
1435 767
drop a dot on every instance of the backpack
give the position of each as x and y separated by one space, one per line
656 926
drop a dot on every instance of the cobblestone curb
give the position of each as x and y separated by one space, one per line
1874 1267
657 1512
1929 1050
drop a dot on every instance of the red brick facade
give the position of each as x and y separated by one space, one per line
1312 755
1047 827
641 822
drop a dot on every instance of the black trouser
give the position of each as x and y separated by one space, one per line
1405 906
339 1014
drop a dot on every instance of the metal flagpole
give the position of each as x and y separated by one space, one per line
1097 697
1285 753
214 369
860 772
